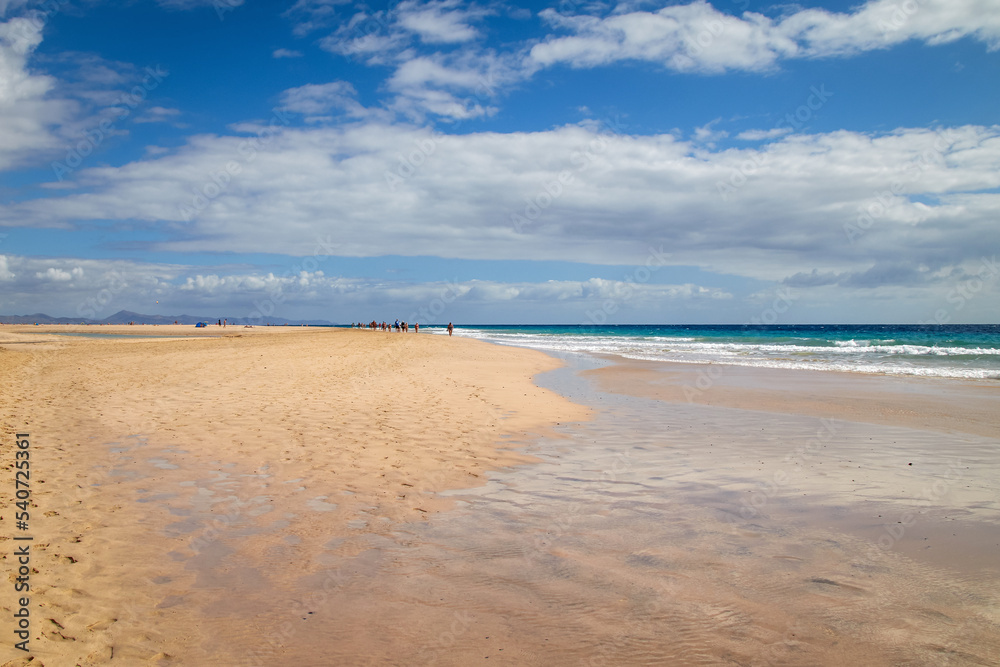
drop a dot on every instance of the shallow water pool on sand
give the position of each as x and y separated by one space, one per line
110 336
635 541
655 534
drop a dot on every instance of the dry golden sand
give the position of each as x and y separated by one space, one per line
165 471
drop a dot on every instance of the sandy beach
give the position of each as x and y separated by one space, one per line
317 433
310 496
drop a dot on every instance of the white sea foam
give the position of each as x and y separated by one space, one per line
860 356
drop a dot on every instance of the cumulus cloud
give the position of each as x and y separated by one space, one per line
441 69
86 288
698 37
457 86
57 275
92 289
97 289
441 21
377 37
43 119
27 112
681 37
5 272
839 202
454 83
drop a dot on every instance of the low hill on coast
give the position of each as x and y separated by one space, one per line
126 316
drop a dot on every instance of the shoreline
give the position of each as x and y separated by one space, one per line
882 425
646 518
946 404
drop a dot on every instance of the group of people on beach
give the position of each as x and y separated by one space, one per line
398 327
385 326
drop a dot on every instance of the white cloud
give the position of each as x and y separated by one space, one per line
422 71
54 274
681 37
371 38
158 115
312 15
440 21
43 120
706 134
5 272
456 86
461 79
106 287
286 53
27 112
458 83
86 288
100 288
881 23
319 99
841 202
698 37
760 135
434 22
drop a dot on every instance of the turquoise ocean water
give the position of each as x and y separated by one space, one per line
958 351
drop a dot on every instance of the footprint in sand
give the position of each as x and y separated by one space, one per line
101 656
102 625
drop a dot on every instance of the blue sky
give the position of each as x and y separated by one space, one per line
502 162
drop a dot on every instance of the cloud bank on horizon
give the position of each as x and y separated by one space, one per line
501 162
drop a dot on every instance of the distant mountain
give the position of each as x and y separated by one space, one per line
41 319
126 316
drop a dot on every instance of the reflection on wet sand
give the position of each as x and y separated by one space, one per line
658 534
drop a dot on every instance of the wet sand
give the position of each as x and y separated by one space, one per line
936 404
662 533
751 526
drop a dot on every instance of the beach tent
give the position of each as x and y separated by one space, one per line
201 324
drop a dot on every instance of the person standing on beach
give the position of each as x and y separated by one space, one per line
451 328
416 327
